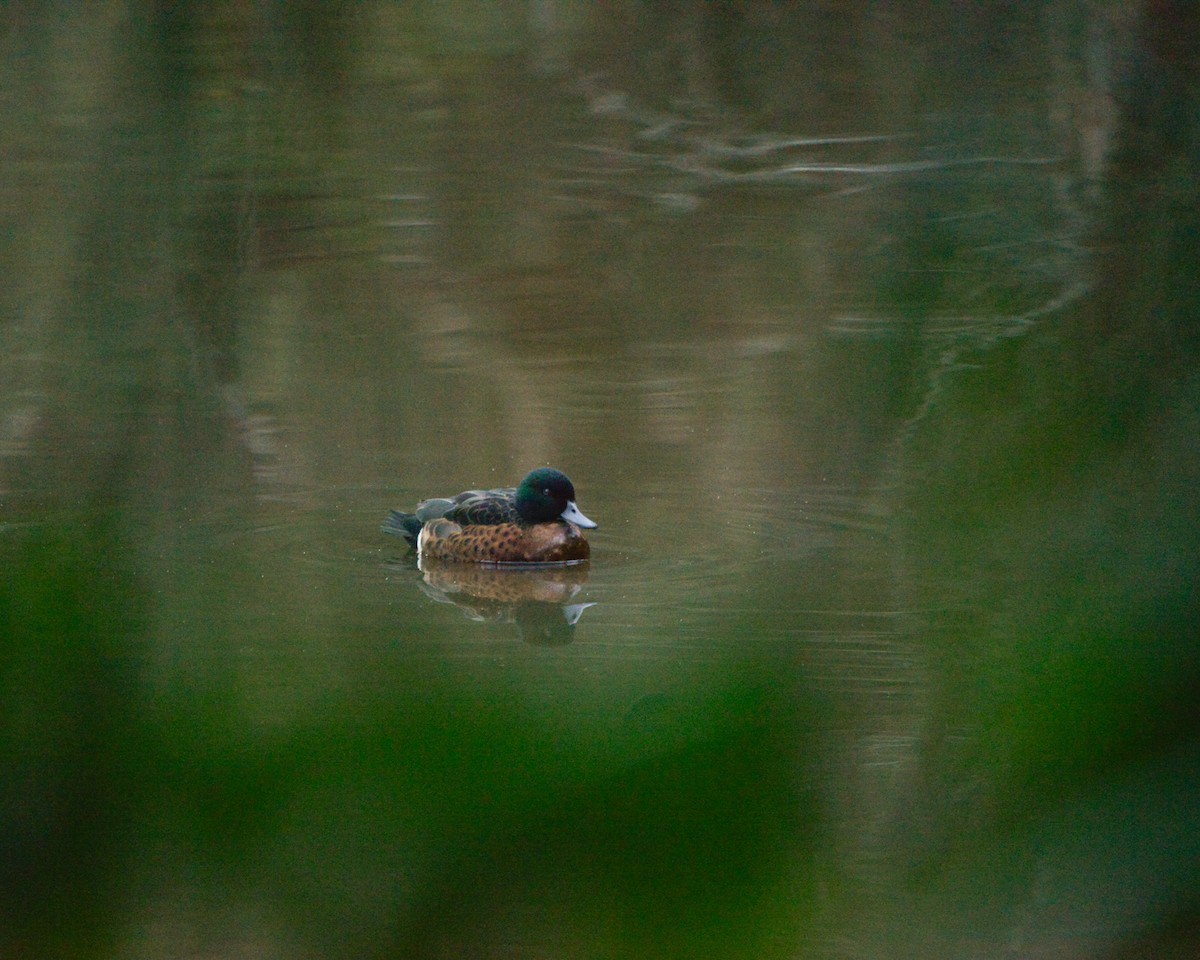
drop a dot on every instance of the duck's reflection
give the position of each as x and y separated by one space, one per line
537 600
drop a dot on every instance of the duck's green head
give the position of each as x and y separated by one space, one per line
546 495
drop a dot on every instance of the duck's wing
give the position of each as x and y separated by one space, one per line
483 507
433 509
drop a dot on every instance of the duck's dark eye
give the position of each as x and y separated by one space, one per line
546 491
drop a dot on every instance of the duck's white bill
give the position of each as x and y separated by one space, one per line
574 516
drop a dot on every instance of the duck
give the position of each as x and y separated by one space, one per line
536 522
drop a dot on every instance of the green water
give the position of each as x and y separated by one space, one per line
866 335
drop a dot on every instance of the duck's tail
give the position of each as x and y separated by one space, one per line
406 525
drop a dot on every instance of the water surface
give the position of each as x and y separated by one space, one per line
866 336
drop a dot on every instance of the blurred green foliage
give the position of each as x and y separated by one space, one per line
404 817
71 741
